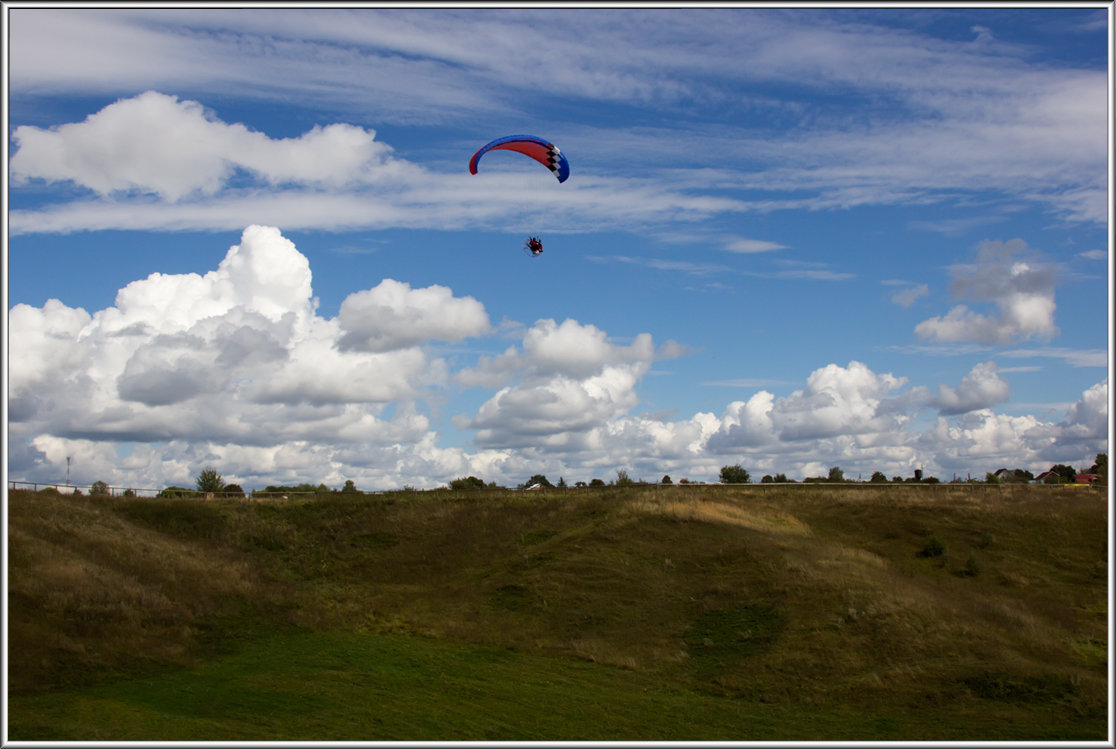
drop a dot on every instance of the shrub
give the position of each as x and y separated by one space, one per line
933 548
467 483
99 488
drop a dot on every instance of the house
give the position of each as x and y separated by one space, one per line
1048 477
1085 478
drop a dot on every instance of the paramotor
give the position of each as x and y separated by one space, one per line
533 245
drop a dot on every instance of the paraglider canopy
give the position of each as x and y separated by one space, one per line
542 151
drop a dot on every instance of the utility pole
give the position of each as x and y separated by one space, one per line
68 459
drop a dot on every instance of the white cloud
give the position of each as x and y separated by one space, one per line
572 379
1085 424
748 246
1016 280
907 297
392 316
235 367
237 355
154 143
981 388
948 117
569 349
553 411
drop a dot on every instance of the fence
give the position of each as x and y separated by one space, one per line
116 491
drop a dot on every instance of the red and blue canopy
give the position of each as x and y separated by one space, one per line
542 151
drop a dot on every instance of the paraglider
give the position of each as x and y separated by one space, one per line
542 151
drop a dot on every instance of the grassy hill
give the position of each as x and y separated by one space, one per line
638 613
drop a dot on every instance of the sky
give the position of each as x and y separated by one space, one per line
792 239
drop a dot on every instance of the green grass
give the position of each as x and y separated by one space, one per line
347 686
625 614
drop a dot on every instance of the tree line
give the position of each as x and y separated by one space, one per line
210 481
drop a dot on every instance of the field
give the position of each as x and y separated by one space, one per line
640 613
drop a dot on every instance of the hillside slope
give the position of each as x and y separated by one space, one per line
914 597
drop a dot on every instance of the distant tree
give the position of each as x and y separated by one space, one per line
734 475
767 479
897 479
580 484
666 480
561 482
349 488
623 479
991 478
99 488
1100 468
597 482
538 478
209 481
467 483
1064 472
129 492
878 478
836 475
233 489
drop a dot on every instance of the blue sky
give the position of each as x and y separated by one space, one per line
792 238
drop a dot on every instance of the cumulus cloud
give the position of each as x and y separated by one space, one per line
982 387
1085 424
236 355
392 315
1016 280
236 367
554 410
155 143
571 378
568 349
837 400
